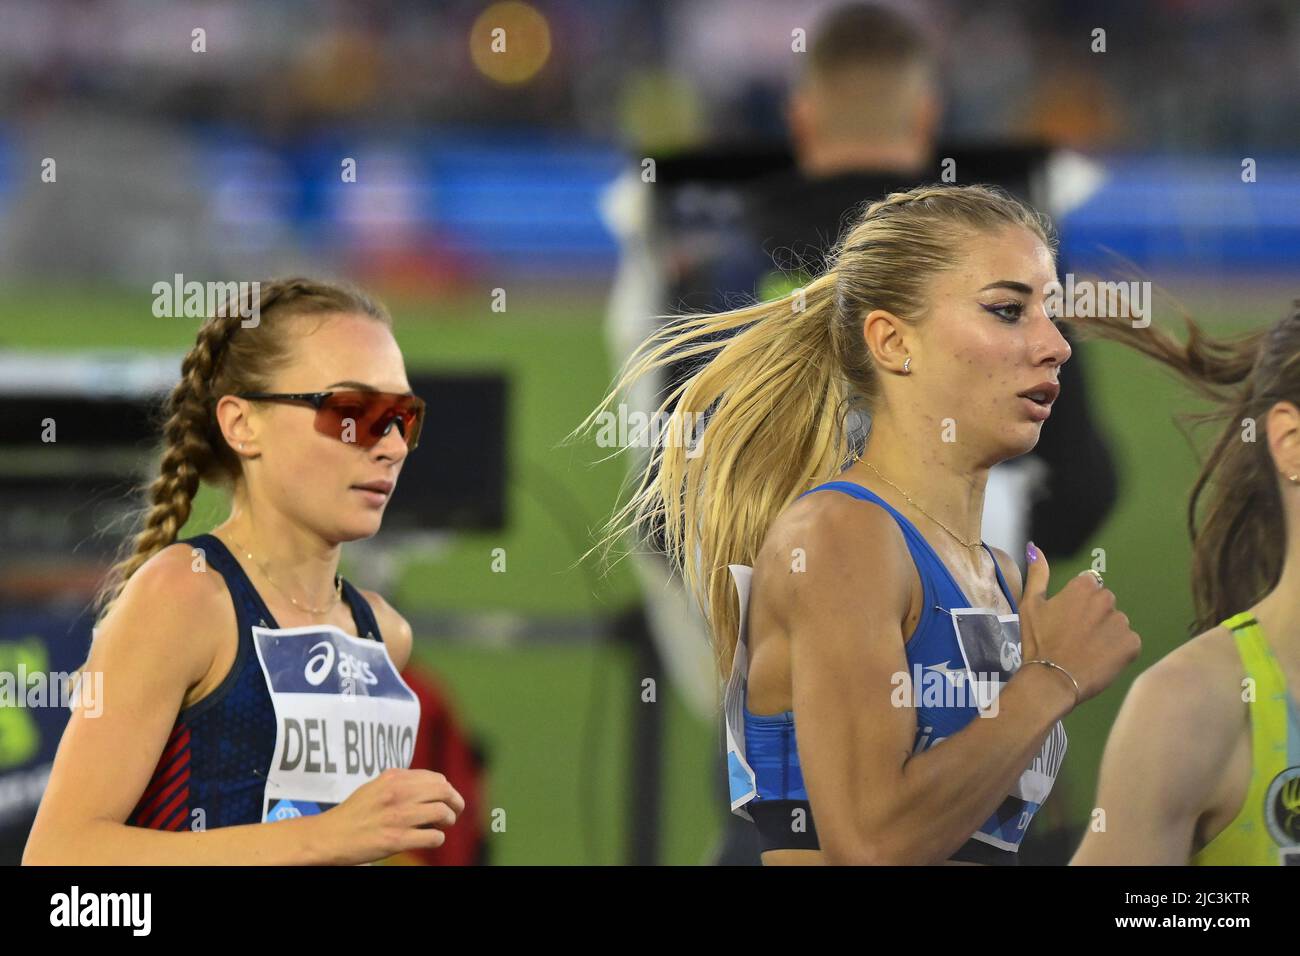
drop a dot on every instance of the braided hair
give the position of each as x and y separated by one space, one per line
227 358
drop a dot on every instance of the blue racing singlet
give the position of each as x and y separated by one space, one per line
216 768
958 657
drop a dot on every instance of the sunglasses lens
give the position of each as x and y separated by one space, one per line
414 423
363 418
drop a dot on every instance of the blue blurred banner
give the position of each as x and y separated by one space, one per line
456 202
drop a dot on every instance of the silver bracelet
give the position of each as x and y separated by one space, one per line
1077 692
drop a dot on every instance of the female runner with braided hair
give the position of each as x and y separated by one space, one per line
1203 763
931 312
244 680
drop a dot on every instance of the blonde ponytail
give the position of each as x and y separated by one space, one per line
775 391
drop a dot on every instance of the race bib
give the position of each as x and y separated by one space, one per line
343 715
990 649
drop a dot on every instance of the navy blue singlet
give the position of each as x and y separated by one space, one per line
987 653
220 750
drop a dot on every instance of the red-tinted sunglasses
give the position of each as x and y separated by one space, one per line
370 413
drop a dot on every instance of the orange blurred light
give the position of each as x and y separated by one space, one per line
510 42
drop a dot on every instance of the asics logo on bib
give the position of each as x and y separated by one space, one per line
319 665
351 668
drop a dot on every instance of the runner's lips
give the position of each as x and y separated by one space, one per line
1044 393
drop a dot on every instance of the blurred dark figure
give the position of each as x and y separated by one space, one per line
863 119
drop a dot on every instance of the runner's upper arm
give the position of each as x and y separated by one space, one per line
1167 747
844 616
156 642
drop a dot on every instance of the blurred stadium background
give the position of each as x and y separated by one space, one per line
477 173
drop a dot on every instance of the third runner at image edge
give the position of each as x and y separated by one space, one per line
1203 763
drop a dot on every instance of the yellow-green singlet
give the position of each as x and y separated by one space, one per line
1266 831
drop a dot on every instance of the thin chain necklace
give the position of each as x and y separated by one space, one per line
338 584
969 544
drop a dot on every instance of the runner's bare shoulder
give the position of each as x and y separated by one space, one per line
831 544
173 609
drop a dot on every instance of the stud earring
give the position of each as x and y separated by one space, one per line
907 365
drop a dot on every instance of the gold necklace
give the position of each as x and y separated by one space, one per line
969 544
338 584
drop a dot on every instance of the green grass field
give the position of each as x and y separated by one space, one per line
564 793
